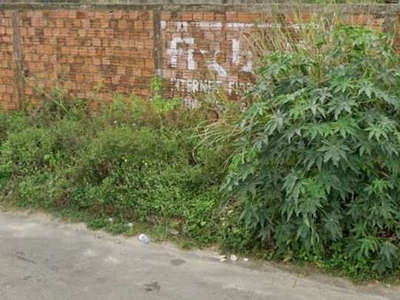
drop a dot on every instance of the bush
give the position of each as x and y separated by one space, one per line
316 170
28 151
11 122
135 161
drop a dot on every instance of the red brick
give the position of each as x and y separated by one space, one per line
198 16
100 15
166 16
77 23
123 24
121 70
232 16
81 15
149 63
105 61
139 25
209 16
72 14
85 23
104 23
187 17
47 32
117 15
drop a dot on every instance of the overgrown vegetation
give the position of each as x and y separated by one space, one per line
134 161
315 173
308 172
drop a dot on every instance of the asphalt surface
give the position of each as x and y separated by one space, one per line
44 259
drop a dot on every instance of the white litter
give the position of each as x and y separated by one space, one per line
144 238
174 232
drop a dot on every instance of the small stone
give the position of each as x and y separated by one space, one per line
152 287
177 262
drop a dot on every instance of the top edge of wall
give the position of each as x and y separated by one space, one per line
205 5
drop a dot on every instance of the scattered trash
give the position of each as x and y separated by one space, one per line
174 232
234 257
110 220
144 239
245 259
130 225
222 258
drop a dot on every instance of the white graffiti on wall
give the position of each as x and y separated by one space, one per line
235 88
235 51
184 47
175 52
236 55
194 86
184 53
212 62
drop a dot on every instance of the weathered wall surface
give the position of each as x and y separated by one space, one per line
204 51
95 51
88 51
8 80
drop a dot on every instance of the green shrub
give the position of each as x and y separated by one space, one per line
28 151
316 170
147 175
11 122
134 161
71 138
156 113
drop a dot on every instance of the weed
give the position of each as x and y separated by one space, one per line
315 171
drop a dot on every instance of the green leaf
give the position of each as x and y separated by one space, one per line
341 104
334 151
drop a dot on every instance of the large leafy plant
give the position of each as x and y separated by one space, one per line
316 170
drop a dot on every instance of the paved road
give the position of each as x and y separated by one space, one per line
44 259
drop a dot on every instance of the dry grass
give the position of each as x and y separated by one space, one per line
298 31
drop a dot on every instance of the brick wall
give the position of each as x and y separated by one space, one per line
88 51
95 51
8 82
